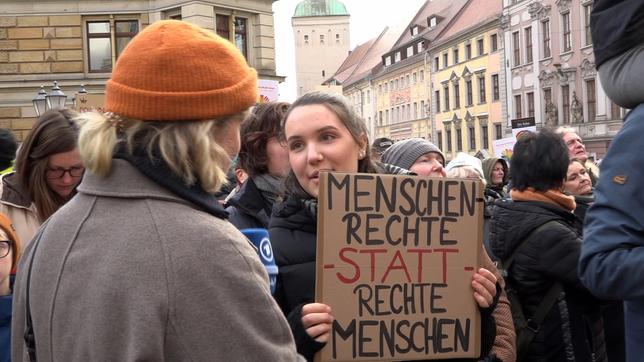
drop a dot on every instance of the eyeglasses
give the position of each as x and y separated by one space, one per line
5 248
59 172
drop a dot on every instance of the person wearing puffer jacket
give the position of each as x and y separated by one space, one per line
322 132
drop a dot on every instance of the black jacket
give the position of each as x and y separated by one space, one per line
293 234
248 208
616 26
573 328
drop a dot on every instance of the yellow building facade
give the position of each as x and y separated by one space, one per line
402 102
466 84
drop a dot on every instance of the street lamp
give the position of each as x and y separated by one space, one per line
82 90
40 102
54 100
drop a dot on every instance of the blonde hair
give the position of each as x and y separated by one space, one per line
187 147
465 172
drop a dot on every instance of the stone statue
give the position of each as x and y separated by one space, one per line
551 114
576 112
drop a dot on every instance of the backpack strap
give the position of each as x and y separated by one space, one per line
29 336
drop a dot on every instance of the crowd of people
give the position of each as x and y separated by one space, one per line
118 243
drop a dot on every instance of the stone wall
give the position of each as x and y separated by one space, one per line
41 44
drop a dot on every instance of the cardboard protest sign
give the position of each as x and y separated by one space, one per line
90 102
395 258
523 125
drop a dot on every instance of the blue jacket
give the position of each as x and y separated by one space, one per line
5 327
612 257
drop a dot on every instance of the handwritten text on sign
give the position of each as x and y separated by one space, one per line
395 260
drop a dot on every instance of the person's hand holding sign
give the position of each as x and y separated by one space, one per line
317 320
484 285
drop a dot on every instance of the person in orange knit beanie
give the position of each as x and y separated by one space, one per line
142 264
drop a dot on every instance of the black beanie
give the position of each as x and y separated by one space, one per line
8 147
405 153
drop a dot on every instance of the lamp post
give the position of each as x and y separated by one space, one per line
82 90
54 100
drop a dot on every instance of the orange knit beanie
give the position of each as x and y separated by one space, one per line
173 71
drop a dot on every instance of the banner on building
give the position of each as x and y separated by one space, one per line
395 259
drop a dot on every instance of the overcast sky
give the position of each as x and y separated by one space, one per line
368 19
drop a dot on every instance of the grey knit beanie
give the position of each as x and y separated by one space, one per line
405 153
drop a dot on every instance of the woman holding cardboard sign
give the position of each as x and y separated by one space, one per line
323 133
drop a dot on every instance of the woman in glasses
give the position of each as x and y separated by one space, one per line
9 255
48 169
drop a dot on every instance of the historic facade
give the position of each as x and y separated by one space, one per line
465 81
401 84
78 42
321 32
550 73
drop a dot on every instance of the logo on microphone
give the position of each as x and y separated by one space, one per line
266 250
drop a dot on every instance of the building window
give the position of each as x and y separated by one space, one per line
321 38
337 38
396 85
368 96
415 110
439 138
422 76
468 90
99 38
482 96
380 89
480 46
241 35
455 55
436 65
397 57
437 96
448 138
517 107
445 64
484 138
446 97
407 80
516 51
545 29
306 39
591 102
432 22
240 28
498 131
380 118
468 51
587 36
567 35
410 51
459 140
387 61
528 45
495 87
530 97
494 43
419 47
386 116
223 26
413 78
472 135
457 96
414 31
565 101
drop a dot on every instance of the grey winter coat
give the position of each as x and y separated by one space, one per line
128 271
